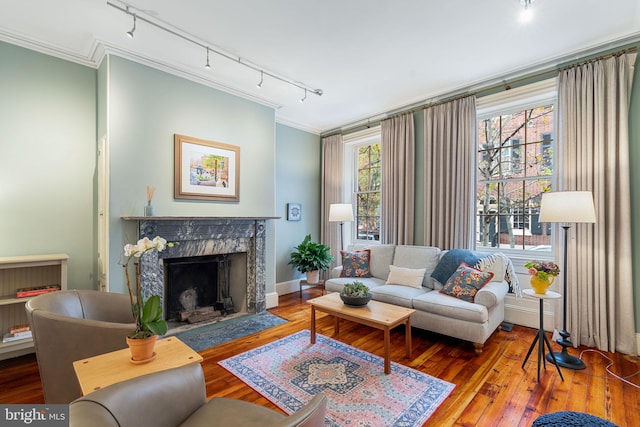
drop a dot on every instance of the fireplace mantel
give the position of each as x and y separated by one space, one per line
201 236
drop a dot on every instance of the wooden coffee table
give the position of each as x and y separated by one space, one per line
100 371
376 314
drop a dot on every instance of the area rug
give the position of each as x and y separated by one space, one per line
227 330
290 371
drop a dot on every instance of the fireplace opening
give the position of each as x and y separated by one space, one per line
201 288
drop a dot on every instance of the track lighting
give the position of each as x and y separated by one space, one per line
261 79
177 32
130 33
526 3
207 66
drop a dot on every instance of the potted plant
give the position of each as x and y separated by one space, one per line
310 257
355 294
147 313
543 273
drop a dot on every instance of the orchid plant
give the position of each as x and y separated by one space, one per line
146 313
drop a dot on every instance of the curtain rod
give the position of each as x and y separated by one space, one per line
505 85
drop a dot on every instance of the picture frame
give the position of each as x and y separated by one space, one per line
294 211
206 170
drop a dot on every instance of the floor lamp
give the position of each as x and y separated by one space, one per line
566 207
340 212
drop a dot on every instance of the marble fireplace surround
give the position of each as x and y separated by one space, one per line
202 236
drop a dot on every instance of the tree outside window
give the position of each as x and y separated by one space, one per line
515 167
368 177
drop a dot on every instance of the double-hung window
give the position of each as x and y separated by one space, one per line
515 165
363 169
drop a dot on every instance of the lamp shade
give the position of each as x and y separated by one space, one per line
340 212
567 206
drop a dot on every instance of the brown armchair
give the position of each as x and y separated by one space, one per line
72 325
177 397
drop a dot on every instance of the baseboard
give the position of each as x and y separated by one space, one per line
288 287
637 343
271 300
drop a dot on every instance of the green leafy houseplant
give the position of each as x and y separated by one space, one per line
355 289
311 256
147 313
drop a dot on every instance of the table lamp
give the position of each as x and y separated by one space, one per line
567 207
340 212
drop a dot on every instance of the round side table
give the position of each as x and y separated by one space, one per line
541 337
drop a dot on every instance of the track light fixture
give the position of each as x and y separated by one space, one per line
526 3
130 33
139 14
261 79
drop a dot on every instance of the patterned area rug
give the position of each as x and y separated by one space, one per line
227 330
290 371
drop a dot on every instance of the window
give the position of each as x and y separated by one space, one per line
515 166
367 194
363 164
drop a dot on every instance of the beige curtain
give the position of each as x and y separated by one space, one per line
593 107
398 180
331 192
449 140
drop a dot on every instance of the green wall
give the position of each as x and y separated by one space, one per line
298 162
146 107
47 159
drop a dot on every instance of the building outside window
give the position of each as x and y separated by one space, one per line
515 166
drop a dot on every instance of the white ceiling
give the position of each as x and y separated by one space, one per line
368 56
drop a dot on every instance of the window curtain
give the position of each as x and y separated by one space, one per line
398 180
450 134
331 191
593 107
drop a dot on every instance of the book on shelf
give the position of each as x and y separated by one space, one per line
19 328
36 290
9 337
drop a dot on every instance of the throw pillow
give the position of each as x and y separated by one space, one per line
450 262
465 282
355 264
406 276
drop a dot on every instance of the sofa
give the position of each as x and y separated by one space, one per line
177 397
434 283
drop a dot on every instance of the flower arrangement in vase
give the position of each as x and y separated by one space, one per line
543 274
147 313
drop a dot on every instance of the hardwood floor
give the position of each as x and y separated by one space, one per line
491 389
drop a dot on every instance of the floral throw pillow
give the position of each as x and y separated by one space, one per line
465 282
355 264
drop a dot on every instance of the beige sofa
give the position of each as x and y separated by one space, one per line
437 312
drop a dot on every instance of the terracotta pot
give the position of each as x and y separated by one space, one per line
313 277
142 349
540 286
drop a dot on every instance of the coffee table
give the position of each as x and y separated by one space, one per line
100 371
376 314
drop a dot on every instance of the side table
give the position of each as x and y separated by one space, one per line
541 337
320 285
105 369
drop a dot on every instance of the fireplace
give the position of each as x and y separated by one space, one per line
202 240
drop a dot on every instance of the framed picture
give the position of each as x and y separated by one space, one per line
206 170
294 211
